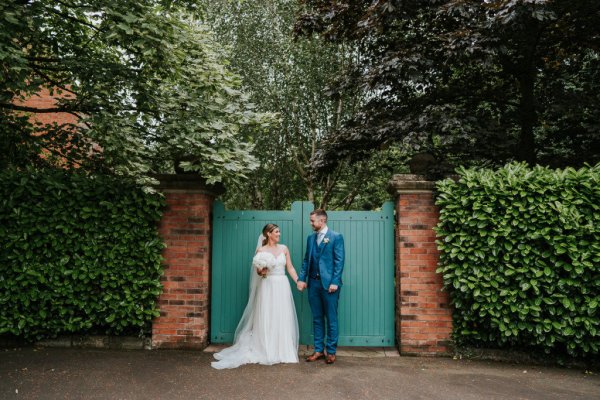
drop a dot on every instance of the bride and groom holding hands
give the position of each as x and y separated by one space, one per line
268 330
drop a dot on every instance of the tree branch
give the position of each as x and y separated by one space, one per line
79 118
48 68
70 110
43 59
55 83
331 182
72 5
72 18
62 155
16 107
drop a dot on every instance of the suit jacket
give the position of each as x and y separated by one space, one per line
328 256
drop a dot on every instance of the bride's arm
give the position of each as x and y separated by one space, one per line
290 268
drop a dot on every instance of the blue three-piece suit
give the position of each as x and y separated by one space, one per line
322 266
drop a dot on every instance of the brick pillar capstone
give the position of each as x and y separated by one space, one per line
423 313
186 230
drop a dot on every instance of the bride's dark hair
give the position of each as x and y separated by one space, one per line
268 229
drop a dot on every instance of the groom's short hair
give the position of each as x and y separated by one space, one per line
319 212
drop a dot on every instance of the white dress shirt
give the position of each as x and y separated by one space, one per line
321 234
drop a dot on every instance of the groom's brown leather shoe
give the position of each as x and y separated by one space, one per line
330 359
315 356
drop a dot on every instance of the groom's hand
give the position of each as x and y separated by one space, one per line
301 285
333 288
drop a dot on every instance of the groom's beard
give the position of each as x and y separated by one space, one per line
318 229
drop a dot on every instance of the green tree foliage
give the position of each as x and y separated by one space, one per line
470 81
149 87
296 79
520 254
78 253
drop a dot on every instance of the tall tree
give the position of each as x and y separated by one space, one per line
295 79
149 88
472 81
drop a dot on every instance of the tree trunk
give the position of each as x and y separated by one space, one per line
527 106
310 194
527 119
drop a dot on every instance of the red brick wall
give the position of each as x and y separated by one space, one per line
186 230
43 100
424 317
62 152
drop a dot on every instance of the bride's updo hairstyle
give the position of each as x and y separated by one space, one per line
268 229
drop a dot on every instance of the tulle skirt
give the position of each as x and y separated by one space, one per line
271 332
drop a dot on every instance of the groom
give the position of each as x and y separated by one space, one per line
322 273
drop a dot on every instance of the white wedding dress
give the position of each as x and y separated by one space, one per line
268 330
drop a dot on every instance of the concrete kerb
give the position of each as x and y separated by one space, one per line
137 343
85 342
305 350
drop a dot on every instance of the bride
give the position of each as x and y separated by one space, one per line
268 330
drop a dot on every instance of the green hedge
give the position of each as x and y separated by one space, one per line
520 254
77 254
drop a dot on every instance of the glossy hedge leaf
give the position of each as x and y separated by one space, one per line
542 244
70 246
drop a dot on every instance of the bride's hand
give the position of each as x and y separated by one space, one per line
262 272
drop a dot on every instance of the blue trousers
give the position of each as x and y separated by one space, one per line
324 306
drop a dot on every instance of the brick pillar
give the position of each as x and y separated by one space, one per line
186 230
423 314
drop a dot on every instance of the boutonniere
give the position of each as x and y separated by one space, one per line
326 240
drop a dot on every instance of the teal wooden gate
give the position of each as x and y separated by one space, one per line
366 309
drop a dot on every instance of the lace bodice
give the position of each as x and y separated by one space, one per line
275 264
279 268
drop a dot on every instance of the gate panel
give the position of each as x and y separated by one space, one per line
366 312
366 308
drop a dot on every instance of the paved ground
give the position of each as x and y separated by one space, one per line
50 373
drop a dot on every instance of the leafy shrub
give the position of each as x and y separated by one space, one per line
520 253
77 254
